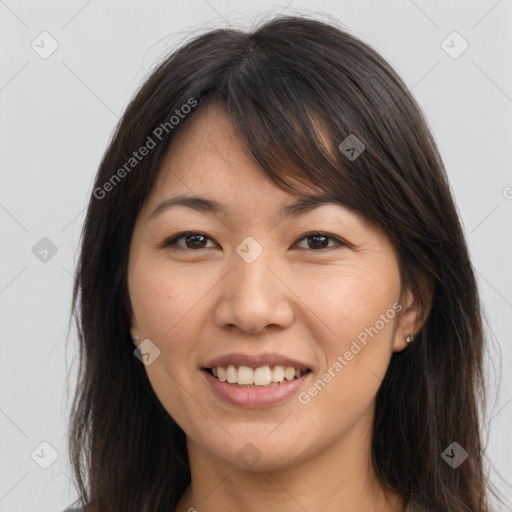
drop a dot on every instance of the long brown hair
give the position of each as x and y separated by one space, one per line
277 83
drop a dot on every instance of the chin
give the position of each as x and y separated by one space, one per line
258 453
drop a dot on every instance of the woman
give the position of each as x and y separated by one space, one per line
275 302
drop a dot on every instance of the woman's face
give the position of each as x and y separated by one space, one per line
253 291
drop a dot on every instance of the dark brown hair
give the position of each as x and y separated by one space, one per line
278 84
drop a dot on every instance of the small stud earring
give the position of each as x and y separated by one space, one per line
409 338
135 338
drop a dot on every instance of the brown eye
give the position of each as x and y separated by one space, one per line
319 241
192 241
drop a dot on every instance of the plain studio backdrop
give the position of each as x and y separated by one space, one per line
68 70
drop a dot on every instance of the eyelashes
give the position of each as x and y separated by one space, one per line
199 238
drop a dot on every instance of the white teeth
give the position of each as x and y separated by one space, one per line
231 374
261 376
245 375
289 373
277 374
221 373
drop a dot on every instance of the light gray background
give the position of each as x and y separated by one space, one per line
57 117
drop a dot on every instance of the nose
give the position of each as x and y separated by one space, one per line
254 296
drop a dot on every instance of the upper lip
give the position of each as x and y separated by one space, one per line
256 360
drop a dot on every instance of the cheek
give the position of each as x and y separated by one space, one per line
166 307
347 301
356 312
163 305
165 300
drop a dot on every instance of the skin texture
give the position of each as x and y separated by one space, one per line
294 299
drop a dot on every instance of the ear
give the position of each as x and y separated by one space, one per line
416 306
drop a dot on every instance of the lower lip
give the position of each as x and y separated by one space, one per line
254 397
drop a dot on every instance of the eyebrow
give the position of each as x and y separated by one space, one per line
303 205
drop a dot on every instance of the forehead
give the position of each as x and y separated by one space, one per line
207 155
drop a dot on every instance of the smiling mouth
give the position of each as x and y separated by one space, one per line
263 376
